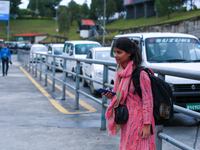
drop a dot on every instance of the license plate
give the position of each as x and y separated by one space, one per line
193 106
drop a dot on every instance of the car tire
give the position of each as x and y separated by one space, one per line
85 84
92 90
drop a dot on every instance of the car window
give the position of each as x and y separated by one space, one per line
69 47
89 55
82 49
50 50
112 53
58 50
172 49
102 55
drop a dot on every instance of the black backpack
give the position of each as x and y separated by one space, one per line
163 110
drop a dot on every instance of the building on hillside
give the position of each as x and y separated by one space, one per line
87 28
31 37
139 8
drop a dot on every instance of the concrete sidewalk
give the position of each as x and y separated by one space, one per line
28 120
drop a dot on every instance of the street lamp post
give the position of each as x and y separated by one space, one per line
104 16
56 23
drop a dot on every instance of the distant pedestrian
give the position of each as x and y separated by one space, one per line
5 57
137 132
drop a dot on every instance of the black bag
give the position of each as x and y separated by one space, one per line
121 114
163 110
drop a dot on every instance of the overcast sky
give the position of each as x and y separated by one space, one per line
63 2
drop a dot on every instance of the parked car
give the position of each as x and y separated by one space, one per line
21 44
55 49
173 50
77 49
95 71
38 48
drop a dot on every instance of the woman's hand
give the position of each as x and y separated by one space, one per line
108 94
145 132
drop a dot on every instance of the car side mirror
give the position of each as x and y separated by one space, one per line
70 52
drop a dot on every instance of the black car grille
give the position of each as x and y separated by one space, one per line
187 99
187 87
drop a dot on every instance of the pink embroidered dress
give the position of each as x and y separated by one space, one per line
140 110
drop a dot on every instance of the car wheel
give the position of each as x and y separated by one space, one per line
92 90
85 84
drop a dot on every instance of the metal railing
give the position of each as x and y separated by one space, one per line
28 62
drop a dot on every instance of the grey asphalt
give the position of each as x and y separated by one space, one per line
29 121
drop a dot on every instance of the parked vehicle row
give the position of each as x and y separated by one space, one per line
158 49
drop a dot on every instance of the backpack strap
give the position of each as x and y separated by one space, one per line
136 79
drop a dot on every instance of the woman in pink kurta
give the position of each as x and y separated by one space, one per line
135 133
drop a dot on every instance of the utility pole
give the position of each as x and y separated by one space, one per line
104 17
36 10
56 23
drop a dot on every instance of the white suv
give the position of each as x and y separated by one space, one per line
38 48
77 49
174 50
55 49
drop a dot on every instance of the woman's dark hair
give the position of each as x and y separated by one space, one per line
128 46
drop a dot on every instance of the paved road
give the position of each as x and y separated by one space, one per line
29 119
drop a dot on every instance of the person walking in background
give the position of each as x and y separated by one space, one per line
5 57
138 132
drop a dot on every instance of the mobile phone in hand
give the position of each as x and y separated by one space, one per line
105 91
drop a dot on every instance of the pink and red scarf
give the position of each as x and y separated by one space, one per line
122 80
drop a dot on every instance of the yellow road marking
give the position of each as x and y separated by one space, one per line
53 101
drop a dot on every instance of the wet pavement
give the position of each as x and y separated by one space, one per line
30 120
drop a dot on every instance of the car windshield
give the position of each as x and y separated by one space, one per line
39 49
82 49
102 55
58 50
172 49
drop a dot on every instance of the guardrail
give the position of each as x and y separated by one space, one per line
28 62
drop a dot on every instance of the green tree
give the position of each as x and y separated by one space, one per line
120 7
166 6
73 9
45 7
96 9
111 8
64 20
84 10
14 6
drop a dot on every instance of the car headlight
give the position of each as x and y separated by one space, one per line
99 73
172 87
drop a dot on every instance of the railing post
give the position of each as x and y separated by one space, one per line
158 141
29 62
45 80
36 65
32 63
104 99
26 60
40 67
78 67
64 80
54 70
